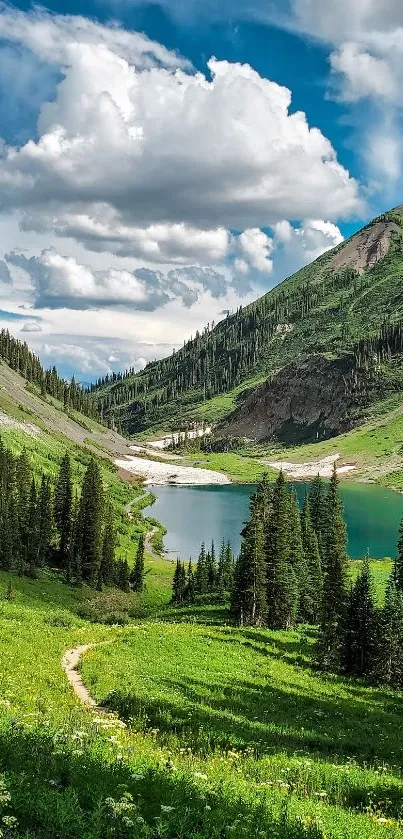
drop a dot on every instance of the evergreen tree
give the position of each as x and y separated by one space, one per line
211 568
281 581
360 628
63 510
201 572
248 600
89 524
32 546
317 509
310 609
398 565
225 571
179 583
388 666
137 575
45 521
299 576
190 590
107 569
123 575
335 583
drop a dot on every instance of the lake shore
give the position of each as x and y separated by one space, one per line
156 473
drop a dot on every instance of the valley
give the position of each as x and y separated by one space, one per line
125 714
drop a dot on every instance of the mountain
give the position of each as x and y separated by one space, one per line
302 362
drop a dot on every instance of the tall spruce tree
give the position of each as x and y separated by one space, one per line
310 610
282 590
398 565
32 546
317 509
190 592
137 574
335 583
360 627
63 510
211 568
108 568
89 524
201 580
248 600
298 563
388 666
45 519
179 583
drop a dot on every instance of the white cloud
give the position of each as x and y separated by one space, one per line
256 248
51 37
102 229
295 247
161 161
364 75
62 282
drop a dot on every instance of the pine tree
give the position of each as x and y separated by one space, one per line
90 523
398 565
335 583
360 628
190 591
317 509
179 583
23 488
314 590
388 666
137 574
45 521
298 563
281 581
63 510
248 599
123 575
32 546
201 572
107 569
211 568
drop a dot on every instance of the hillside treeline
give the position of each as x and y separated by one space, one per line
19 357
56 524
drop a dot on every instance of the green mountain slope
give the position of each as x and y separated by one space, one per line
345 297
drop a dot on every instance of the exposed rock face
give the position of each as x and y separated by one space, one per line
366 248
310 399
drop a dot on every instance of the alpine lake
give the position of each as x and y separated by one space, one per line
196 514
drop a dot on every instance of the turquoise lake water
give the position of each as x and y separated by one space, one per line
195 514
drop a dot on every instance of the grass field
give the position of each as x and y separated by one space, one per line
231 732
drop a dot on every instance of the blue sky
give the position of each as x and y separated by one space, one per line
165 162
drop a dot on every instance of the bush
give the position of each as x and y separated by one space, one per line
112 607
62 619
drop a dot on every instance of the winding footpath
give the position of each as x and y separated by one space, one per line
70 663
149 549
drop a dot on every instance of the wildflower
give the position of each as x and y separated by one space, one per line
166 808
200 775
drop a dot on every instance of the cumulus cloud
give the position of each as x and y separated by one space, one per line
364 75
256 248
366 64
151 161
62 282
103 229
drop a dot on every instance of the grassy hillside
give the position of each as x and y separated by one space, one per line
326 308
230 733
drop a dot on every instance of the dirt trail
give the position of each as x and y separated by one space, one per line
70 663
148 539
